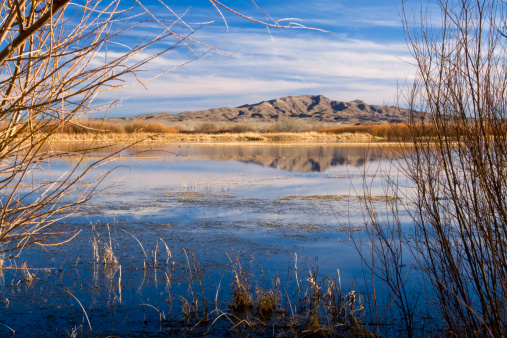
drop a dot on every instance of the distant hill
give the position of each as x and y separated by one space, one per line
311 108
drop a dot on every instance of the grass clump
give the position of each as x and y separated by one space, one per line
290 125
267 303
242 128
103 250
242 301
309 306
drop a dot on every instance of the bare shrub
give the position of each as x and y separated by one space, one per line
242 128
48 81
149 128
290 125
206 126
457 177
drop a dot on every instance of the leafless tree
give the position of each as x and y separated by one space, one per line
457 173
55 57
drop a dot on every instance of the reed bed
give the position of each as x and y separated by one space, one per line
237 300
240 132
149 132
219 138
390 132
214 132
102 127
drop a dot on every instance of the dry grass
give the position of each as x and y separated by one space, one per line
417 130
103 249
243 302
312 306
391 132
222 132
238 132
267 303
218 138
149 128
316 197
101 127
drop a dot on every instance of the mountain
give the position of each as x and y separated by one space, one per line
311 108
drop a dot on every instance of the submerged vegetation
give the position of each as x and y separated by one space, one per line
176 295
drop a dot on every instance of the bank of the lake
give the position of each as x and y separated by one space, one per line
303 137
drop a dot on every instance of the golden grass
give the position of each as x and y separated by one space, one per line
373 198
405 133
212 132
398 131
217 138
224 133
316 197
103 128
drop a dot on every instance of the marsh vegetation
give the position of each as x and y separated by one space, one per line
292 129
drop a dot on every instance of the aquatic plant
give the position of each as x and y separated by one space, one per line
103 249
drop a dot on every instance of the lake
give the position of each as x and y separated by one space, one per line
182 222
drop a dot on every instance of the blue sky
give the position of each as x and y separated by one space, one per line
365 57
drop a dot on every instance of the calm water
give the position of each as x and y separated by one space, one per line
264 206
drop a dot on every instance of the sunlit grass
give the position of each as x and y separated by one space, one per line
385 131
98 127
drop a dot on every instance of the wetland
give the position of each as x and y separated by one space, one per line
184 231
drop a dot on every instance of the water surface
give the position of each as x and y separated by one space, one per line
265 206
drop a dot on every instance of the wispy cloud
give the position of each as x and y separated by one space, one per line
264 66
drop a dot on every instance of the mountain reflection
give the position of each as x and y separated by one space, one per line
308 164
300 158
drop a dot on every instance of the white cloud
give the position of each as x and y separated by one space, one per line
185 86
301 62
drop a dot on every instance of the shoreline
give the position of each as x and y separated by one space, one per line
226 138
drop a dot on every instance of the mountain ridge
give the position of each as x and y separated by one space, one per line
312 108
